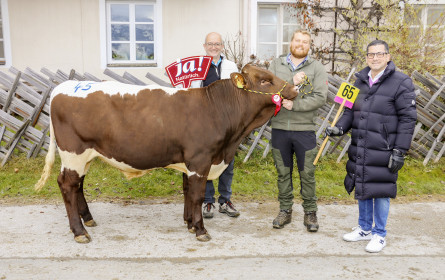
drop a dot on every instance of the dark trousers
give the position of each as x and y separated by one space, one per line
284 145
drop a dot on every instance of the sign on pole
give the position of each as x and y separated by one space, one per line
346 96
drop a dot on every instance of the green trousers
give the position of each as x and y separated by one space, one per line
307 181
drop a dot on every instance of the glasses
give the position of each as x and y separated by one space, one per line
378 55
214 44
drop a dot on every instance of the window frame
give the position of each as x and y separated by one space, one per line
6 34
255 5
106 42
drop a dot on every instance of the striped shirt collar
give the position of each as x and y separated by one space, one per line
289 61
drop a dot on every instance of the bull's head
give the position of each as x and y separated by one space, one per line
261 81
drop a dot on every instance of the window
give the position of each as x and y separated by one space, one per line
5 50
276 24
427 15
132 38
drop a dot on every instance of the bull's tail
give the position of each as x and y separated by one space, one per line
49 160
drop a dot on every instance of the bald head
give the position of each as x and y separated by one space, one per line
213 45
213 37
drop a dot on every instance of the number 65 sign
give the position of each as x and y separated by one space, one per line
346 93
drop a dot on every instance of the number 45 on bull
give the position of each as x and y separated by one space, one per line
346 96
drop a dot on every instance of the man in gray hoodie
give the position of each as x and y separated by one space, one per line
293 128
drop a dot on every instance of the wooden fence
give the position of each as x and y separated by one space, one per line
24 114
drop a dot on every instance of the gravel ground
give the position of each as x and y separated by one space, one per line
150 241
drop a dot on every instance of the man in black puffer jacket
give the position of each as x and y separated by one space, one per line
382 121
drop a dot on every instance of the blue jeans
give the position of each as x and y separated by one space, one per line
374 209
224 186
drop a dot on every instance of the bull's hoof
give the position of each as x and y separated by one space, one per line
204 237
83 238
90 223
192 230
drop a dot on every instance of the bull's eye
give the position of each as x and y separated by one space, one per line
265 82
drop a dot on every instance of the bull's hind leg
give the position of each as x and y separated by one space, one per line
82 205
69 184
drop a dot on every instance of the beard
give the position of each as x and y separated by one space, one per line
298 53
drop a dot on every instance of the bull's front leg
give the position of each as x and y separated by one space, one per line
187 204
194 199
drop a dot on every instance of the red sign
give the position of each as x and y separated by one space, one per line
188 69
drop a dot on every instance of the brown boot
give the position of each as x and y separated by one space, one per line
310 221
284 217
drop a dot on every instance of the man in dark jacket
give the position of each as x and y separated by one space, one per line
382 121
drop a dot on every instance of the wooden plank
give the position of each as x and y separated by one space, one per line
2 131
343 152
15 139
267 149
40 144
431 77
12 91
90 77
255 142
157 80
23 109
325 122
62 75
435 95
53 77
133 79
440 154
38 109
338 142
432 127
37 80
115 76
431 151
18 133
72 73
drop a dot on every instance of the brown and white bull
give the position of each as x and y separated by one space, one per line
138 128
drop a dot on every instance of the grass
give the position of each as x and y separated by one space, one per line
253 181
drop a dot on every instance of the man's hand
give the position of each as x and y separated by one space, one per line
396 161
299 78
288 104
333 131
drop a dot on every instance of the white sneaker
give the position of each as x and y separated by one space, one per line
376 244
357 234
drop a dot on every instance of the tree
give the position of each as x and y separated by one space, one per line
355 23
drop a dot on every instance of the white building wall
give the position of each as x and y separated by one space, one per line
66 34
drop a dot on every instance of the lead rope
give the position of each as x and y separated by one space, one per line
304 84
268 93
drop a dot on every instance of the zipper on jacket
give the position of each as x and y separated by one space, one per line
217 73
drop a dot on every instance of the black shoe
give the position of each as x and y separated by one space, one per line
284 217
310 221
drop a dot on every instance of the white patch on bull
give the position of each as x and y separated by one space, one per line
84 88
215 170
80 164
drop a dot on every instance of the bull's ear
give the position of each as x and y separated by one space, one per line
238 80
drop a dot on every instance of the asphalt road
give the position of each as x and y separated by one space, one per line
150 241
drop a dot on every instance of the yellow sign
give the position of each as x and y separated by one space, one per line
348 92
